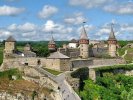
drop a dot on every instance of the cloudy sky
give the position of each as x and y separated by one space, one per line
36 19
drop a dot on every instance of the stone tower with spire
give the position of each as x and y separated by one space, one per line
84 44
10 46
112 43
52 45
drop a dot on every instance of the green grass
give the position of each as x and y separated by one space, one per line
1 55
129 56
20 48
109 68
121 51
11 72
54 72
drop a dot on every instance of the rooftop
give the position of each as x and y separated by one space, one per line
112 36
51 41
58 55
83 34
27 45
10 39
73 41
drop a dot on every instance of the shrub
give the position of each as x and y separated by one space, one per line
81 72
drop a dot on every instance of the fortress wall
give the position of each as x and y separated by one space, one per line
53 64
65 64
81 63
95 62
17 62
108 61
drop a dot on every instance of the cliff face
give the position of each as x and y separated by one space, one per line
23 90
26 84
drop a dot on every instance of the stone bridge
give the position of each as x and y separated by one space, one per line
92 72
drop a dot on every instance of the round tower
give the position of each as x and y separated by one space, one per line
52 45
27 47
84 42
112 43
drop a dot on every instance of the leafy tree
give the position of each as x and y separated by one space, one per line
130 95
124 95
123 43
81 83
108 87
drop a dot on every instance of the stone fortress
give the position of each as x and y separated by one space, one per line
76 54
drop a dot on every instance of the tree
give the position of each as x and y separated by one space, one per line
34 94
130 95
81 83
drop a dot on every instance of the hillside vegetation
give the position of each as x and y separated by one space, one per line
108 87
129 56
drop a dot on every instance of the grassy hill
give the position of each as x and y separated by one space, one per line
129 56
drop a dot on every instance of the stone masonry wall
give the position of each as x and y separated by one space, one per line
108 61
95 62
81 63
18 62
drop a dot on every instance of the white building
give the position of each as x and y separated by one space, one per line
73 44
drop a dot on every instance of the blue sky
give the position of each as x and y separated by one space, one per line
36 19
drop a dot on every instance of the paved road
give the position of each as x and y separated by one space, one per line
66 91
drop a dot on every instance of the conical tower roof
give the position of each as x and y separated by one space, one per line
83 34
112 35
52 40
10 39
27 45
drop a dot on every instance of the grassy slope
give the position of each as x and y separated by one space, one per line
1 55
54 72
129 56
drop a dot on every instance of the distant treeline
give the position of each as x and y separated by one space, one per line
41 43
40 47
123 43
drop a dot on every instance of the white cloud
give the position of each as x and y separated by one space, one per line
88 29
75 19
50 26
88 3
47 11
122 31
112 6
10 11
30 31
4 34
120 8
127 28
26 27
103 31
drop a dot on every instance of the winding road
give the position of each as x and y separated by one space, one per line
66 91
